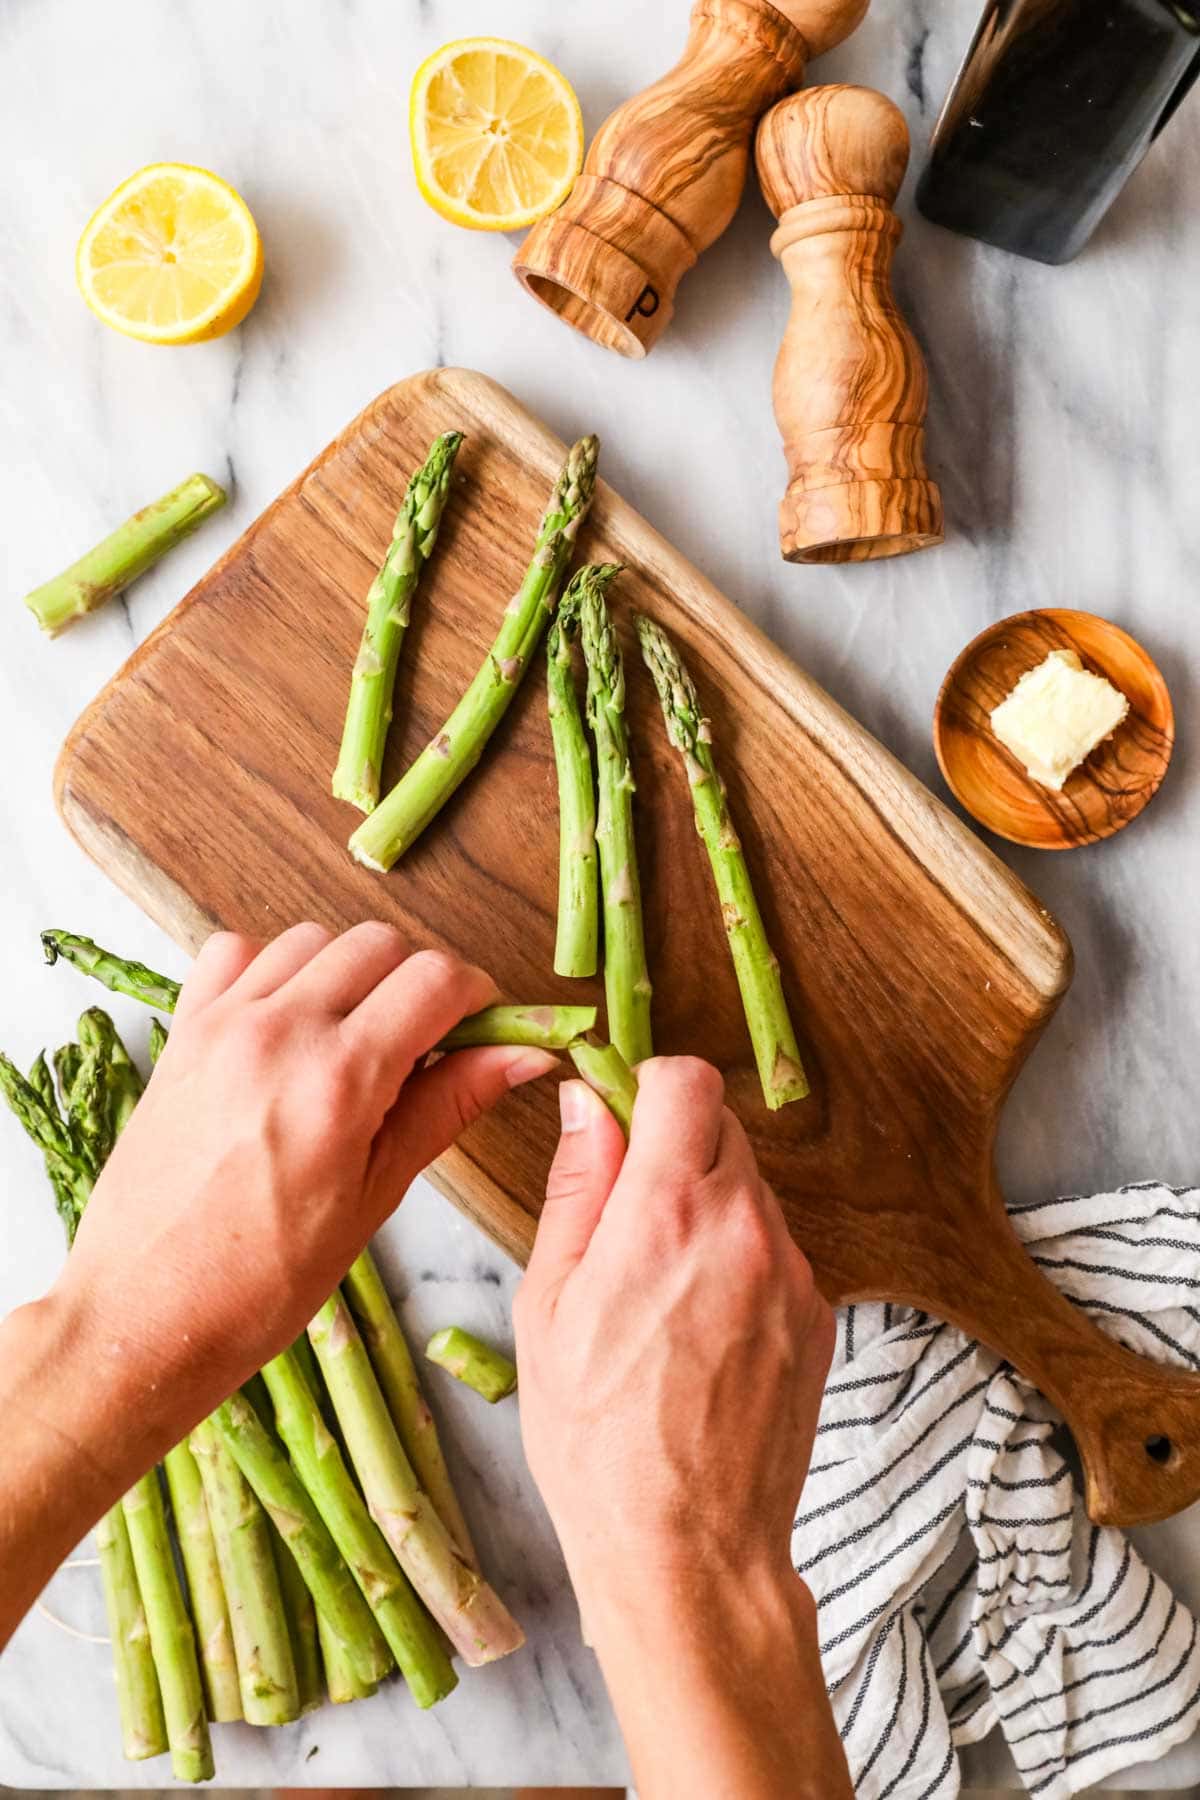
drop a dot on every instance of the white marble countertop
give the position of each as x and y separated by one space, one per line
1061 428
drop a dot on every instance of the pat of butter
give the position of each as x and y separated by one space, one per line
1056 715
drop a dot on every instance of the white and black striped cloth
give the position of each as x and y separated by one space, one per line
960 1584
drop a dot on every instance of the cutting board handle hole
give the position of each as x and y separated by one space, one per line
1160 1449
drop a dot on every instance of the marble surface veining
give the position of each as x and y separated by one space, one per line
1062 429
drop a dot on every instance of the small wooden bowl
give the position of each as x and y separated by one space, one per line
1115 782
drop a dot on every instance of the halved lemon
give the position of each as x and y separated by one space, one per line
171 257
497 135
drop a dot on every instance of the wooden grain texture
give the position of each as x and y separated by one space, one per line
1119 778
666 170
850 386
919 969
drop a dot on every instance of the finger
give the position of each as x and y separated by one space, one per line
586 1164
348 968
413 1008
283 957
222 959
435 1107
677 1119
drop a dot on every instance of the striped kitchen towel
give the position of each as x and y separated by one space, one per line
959 1583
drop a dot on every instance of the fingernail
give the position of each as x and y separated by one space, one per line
529 1065
574 1105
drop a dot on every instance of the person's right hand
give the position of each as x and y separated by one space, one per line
674 1347
672 1350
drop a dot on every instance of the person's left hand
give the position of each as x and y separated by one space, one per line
284 1122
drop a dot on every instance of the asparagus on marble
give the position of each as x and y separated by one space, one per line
604 1068
470 1613
172 1638
262 1642
181 1708
117 973
396 1373
365 1291
476 1364
389 601
772 1034
341 1682
302 1626
448 759
575 947
408 1629
139 1701
305 1536
627 986
545 1027
125 554
210 1612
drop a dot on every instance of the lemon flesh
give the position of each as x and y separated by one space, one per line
497 135
173 256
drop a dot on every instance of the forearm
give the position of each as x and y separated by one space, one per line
69 1450
717 1685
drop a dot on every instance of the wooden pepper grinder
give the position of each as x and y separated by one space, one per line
850 386
666 170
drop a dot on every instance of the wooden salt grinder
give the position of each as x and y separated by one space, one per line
666 170
850 387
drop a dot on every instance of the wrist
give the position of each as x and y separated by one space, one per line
715 1675
699 1606
87 1399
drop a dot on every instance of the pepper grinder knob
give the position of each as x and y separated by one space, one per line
850 386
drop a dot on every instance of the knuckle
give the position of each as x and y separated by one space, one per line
378 931
437 967
753 1241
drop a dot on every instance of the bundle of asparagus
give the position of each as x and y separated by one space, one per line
289 1563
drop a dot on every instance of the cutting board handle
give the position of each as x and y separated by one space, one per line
1136 1423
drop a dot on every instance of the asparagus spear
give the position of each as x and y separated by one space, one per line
469 1612
473 1362
306 1537
126 553
369 711
448 759
116 973
626 979
547 1027
575 950
214 1636
42 1082
771 1031
604 1068
172 1639
68 1164
410 1633
396 1373
266 1669
302 1625
341 1682
143 1731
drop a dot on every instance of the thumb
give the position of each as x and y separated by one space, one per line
436 1105
585 1168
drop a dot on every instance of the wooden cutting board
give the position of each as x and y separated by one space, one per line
920 970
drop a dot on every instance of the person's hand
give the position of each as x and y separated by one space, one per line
672 1351
672 1345
282 1125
